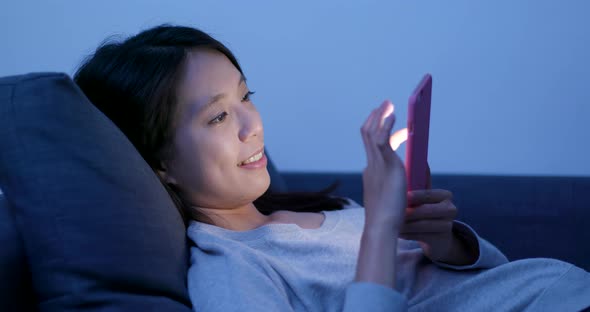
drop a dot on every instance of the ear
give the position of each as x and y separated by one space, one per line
165 174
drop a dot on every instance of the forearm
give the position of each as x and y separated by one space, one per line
377 255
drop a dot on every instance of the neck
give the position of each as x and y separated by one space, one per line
242 218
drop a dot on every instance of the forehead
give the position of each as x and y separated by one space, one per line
209 72
206 74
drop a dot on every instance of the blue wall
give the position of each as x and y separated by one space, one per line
511 78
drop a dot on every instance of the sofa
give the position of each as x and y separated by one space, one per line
86 226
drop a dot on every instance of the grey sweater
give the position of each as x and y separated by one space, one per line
282 267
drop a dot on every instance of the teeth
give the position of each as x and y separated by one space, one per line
253 158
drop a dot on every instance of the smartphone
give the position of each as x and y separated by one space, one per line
418 128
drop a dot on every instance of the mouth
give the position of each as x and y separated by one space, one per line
254 158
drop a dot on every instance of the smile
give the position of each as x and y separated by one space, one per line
252 159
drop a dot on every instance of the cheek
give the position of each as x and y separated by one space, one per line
216 155
207 155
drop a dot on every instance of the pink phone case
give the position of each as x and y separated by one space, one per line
418 128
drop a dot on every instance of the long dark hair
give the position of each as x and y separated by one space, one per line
134 83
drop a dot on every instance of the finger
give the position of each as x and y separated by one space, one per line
399 137
371 130
387 119
427 226
444 210
383 133
387 111
381 112
368 122
365 133
420 197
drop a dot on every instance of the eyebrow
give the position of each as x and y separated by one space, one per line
214 99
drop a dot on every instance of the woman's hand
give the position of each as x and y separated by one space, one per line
384 178
429 221
384 187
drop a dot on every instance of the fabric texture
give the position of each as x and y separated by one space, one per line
16 292
97 230
288 268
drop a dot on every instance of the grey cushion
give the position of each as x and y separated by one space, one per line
97 228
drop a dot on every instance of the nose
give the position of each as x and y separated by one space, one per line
251 125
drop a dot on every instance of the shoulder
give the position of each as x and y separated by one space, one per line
352 210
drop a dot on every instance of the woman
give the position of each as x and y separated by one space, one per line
182 99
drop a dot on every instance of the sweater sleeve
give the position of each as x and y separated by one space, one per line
489 255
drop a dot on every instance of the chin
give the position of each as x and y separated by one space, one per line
265 183
258 186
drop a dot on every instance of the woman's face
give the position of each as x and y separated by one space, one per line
218 129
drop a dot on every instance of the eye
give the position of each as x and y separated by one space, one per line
246 97
220 118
